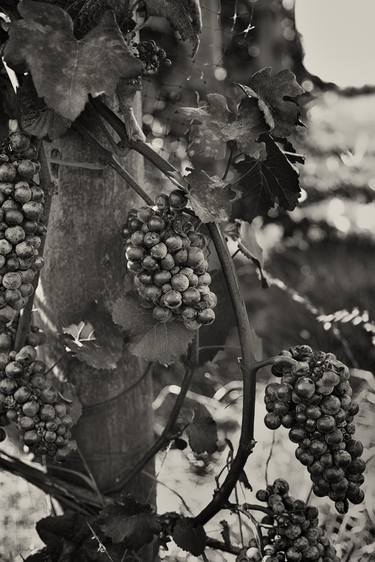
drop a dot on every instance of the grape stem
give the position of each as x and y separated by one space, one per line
46 182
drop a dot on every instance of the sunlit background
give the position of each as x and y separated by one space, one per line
339 39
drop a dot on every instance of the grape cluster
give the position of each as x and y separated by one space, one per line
21 228
314 401
35 337
27 399
168 257
294 534
152 56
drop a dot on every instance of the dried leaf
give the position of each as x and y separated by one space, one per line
265 184
189 537
210 198
66 70
277 98
213 125
148 339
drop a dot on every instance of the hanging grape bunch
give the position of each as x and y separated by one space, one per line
169 259
21 227
152 56
294 534
27 399
313 400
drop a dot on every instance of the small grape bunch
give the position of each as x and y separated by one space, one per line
152 56
314 401
293 532
169 260
21 225
27 399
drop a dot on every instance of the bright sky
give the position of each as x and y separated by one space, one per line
339 39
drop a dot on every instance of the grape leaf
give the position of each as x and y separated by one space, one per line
66 70
202 432
189 537
183 15
149 339
54 530
274 180
277 98
96 341
35 117
209 197
135 530
213 124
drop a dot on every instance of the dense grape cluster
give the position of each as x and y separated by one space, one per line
168 257
27 399
294 534
313 400
152 56
21 227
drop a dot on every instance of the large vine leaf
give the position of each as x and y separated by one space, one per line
35 117
265 184
213 124
148 339
183 15
189 537
202 432
277 97
66 70
210 197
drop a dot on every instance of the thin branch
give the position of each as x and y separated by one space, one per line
249 370
113 162
166 436
138 145
47 184
76 497
177 494
91 476
269 457
239 516
97 406
218 545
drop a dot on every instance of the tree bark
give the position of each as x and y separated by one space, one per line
84 264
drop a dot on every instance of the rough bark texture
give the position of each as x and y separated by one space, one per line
84 263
